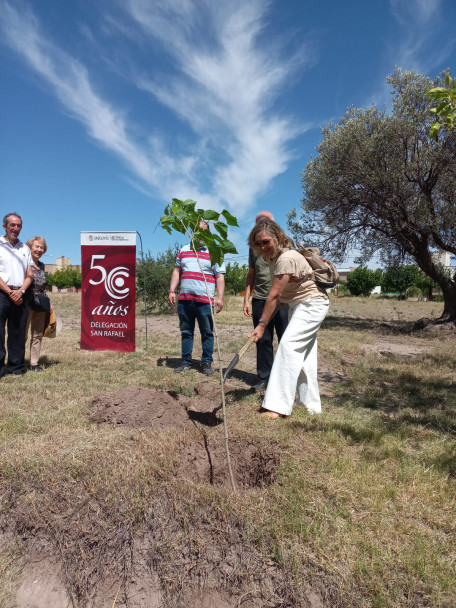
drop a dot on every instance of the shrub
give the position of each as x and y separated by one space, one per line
399 278
362 281
155 273
414 292
235 277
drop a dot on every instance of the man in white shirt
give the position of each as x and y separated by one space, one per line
16 276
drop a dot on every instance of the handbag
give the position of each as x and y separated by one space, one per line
40 303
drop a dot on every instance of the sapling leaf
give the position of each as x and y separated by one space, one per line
228 247
230 219
209 214
222 228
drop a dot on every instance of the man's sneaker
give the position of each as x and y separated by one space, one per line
184 367
207 369
35 368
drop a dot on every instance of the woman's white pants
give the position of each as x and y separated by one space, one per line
295 363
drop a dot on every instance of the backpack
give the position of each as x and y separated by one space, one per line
324 272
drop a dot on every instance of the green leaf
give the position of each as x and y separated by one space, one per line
209 214
177 225
230 219
434 129
188 205
222 228
215 253
228 247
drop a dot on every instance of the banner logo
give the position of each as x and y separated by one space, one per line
113 281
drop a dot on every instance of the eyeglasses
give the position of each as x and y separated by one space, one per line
262 243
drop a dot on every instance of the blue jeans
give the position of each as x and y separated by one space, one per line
188 312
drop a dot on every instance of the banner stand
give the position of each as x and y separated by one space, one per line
108 264
144 287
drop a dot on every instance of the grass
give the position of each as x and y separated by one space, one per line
363 507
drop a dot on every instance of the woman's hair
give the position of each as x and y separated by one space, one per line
281 240
30 242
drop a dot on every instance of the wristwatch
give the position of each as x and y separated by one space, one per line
263 321
22 291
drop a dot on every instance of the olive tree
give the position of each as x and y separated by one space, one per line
380 184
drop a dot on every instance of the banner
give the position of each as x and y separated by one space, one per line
108 261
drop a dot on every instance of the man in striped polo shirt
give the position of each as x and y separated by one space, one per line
193 303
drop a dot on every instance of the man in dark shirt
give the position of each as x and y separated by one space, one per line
259 280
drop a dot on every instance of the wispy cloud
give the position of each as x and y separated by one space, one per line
418 20
224 83
412 44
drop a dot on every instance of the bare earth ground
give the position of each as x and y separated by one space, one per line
200 460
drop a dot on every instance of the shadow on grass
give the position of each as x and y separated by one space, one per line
243 376
408 400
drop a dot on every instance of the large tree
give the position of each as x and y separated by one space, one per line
382 185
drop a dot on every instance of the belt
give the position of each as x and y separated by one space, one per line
14 287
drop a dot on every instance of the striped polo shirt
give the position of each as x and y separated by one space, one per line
192 281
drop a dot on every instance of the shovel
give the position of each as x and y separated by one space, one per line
238 356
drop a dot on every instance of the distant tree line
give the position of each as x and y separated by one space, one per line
402 280
64 278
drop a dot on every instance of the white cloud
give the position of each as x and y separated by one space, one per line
224 89
418 20
224 85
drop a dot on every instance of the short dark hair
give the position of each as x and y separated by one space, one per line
5 219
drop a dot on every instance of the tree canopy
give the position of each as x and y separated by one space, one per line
381 184
362 281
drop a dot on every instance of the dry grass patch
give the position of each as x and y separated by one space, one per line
357 508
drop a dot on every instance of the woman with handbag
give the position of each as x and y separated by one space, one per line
40 304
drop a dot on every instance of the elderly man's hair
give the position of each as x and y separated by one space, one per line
41 239
264 215
5 219
282 241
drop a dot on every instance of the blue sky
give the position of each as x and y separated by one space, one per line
109 109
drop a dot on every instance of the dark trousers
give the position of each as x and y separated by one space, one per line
13 318
265 352
189 312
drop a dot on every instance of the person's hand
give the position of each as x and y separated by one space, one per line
258 332
219 305
172 298
247 312
16 296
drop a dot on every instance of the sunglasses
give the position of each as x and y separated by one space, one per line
262 243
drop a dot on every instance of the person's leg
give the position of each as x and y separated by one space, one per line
37 322
17 321
206 327
186 312
281 321
5 303
296 345
264 349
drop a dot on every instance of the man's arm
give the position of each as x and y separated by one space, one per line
16 294
175 278
4 287
220 284
249 283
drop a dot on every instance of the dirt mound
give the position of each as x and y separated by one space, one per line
136 407
202 461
